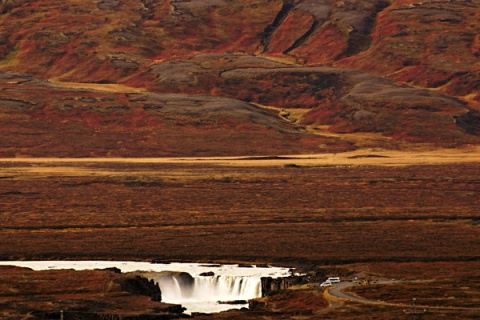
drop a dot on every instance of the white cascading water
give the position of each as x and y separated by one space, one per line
203 293
210 288
183 283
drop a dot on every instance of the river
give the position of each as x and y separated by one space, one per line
197 287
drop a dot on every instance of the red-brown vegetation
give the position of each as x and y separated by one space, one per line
27 294
143 44
211 78
383 216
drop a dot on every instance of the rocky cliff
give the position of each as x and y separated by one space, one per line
140 285
95 294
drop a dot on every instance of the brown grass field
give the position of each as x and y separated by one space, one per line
368 215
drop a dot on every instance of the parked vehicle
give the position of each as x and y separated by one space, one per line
326 284
334 279
330 281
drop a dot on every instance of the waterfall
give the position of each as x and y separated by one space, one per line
184 283
179 287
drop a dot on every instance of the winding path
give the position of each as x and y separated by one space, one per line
337 291
336 295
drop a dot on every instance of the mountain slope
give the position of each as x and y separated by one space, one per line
382 56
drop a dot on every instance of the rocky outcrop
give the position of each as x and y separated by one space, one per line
82 295
140 285
274 284
270 285
302 274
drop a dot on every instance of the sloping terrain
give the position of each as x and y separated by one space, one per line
345 99
40 119
433 44
263 52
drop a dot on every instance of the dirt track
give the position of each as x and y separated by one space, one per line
338 293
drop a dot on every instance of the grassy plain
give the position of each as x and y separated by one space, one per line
366 215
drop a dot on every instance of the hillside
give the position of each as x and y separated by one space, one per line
406 71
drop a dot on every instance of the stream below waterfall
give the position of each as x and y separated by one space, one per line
197 287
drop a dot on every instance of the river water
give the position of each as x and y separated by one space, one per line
197 287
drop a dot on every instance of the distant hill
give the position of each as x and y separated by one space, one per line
202 77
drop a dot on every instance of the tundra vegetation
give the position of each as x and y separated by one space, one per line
352 131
